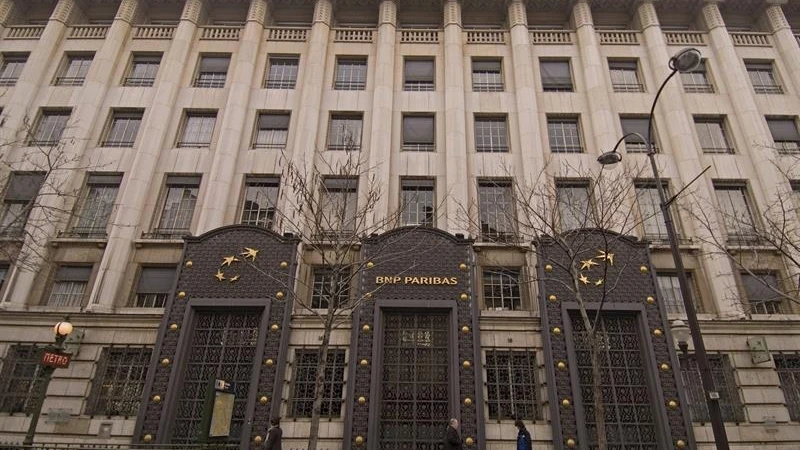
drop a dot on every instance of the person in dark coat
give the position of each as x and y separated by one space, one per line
452 439
274 435
523 436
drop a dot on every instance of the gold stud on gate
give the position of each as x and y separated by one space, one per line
548 268
469 441
680 443
359 440
571 443
364 362
366 328
561 365
465 329
657 332
284 264
269 362
462 267
263 400
552 298
664 367
362 400
565 403
165 362
643 269
464 296
173 327
468 401
650 300
147 438
274 327
370 265
156 399
279 295
672 404
258 440
466 364
181 295
189 264
556 331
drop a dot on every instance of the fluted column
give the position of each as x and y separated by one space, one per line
784 40
223 168
455 125
131 216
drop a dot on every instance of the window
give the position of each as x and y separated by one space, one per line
670 291
74 70
735 210
419 133
305 375
101 193
556 76
11 68
20 378
272 131
345 132
3 275
572 199
282 72
650 210
785 135
762 76
762 292
418 75
633 143
179 202
339 198
696 81
143 70
212 71
20 193
564 135
712 134
625 76
501 289
351 74
788 367
511 384
417 202
154 286
119 381
260 200
498 213
487 75
69 286
722 373
123 129
330 285
50 128
198 129
491 134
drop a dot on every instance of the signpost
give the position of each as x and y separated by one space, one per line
55 359
217 411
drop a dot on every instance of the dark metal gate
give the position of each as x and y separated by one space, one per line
414 395
223 346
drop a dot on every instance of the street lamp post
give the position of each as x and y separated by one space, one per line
684 61
62 330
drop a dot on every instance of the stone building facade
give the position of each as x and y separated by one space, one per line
178 118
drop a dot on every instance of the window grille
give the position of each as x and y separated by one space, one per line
144 69
20 378
761 291
724 381
491 134
625 76
97 206
696 81
762 76
119 381
498 213
69 286
260 201
784 134
272 131
487 76
123 130
564 135
198 129
712 135
22 189
736 214
351 74
305 374
179 203
74 71
670 292
650 211
419 133
155 284
418 75
788 367
633 143
511 384
212 72
11 68
501 289
417 202
50 127
330 284
282 73
345 132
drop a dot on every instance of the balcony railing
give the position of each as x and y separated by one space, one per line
486 37
166 233
88 32
287 34
353 35
698 88
220 33
84 233
750 39
139 81
419 36
154 32
551 37
684 38
628 87
619 37
24 31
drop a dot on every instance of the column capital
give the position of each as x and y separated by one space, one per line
387 13
517 14
711 15
193 11
6 11
257 11
582 14
323 12
776 19
452 12
127 11
64 11
648 17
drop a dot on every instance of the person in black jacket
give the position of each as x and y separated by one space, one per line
523 437
452 439
274 435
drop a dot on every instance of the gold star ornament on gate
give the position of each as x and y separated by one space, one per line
590 263
248 253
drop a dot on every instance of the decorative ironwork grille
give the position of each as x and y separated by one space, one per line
117 387
511 383
630 423
722 372
788 367
223 347
414 394
305 374
20 378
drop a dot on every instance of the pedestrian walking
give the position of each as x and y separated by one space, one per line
452 438
274 435
523 436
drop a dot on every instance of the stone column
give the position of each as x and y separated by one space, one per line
784 39
229 146
128 220
455 125
7 11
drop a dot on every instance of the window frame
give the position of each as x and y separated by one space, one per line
487 79
68 287
585 186
490 209
502 284
269 182
211 77
15 60
283 81
20 368
763 77
722 134
190 114
350 73
134 359
750 233
101 212
18 198
145 59
276 131
423 143
553 120
332 191
698 80
556 84
418 82
178 182
649 185
320 297
155 298
65 77
620 71
497 384
788 141
122 114
785 373
410 208
762 306
484 130
53 136
731 405
336 138
632 143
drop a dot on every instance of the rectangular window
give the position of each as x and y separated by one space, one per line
736 213
762 76
74 70
762 292
51 126
180 199
11 68
119 381
633 143
784 134
154 286
487 75
650 210
491 134
696 81
101 193
724 381
21 192
556 76
498 212
260 200
345 132
564 135
511 384
69 286
419 133
198 128
670 291
123 128
282 72
351 74
788 368
625 76
572 199
501 289
712 135
212 71
338 202
144 69
417 202
20 378
330 286
418 74
272 131
305 375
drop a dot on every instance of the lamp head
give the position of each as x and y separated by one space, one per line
62 328
681 334
686 60
610 159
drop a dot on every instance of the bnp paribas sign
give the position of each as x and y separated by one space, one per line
419 280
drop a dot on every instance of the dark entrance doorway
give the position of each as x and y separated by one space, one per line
415 401
223 346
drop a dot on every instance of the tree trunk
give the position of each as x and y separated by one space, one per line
319 384
597 386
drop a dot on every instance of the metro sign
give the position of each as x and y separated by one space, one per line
55 359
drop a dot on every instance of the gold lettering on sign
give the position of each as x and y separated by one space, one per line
411 280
